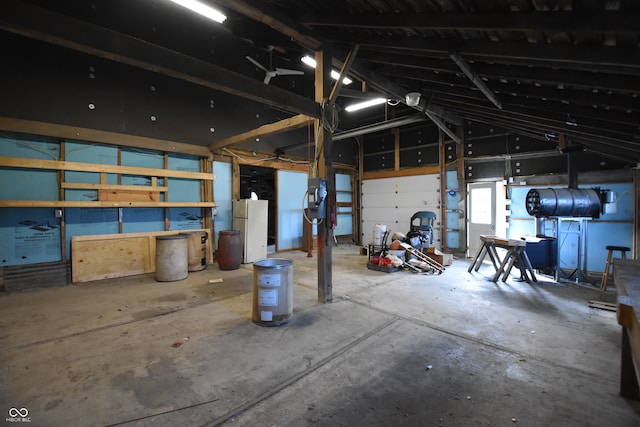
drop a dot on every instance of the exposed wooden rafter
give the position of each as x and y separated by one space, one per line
487 21
31 21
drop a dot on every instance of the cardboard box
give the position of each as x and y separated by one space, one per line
438 256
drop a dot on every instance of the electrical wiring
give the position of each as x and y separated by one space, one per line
330 117
248 160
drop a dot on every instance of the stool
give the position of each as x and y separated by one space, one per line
623 250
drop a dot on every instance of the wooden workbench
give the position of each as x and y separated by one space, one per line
516 255
626 274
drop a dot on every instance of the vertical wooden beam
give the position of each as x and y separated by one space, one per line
324 144
355 209
207 196
62 196
396 149
235 178
442 162
167 221
358 189
103 180
462 190
636 219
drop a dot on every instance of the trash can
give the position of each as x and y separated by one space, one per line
272 291
197 252
229 253
172 262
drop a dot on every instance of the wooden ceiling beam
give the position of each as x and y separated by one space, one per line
627 58
270 17
556 21
295 122
38 23
602 100
546 122
600 80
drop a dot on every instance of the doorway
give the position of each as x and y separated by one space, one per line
259 182
487 213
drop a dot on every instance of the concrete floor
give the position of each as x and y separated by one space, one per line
392 349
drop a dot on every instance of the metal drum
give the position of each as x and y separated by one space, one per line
272 292
197 242
171 258
229 253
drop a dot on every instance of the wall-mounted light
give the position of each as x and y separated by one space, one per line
413 99
365 104
202 9
334 74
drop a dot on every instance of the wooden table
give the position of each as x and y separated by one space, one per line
516 256
626 274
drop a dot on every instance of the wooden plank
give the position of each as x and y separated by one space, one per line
32 127
294 122
627 278
117 187
104 259
107 256
603 305
18 162
99 204
128 196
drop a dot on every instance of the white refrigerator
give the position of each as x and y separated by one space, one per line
251 217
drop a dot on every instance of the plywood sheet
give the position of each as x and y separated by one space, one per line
129 195
117 255
108 258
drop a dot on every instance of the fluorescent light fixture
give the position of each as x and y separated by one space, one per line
309 61
365 104
334 74
202 9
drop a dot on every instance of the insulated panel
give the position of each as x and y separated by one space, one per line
291 191
29 236
222 195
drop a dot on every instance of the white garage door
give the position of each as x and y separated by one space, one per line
392 202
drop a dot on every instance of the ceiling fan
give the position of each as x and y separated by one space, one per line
271 71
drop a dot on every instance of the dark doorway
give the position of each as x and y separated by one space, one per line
262 182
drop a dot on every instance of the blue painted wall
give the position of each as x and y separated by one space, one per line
32 235
452 200
345 215
291 188
581 242
222 189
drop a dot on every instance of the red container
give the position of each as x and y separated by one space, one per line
229 250
375 259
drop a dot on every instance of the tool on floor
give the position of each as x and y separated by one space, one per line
422 257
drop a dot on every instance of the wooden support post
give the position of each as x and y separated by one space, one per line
235 179
167 221
396 149
207 215
62 196
324 170
462 191
636 220
442 163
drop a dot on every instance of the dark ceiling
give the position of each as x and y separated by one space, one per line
538 67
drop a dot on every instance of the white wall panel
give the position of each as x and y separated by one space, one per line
392 202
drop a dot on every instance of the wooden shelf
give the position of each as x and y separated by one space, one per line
19 162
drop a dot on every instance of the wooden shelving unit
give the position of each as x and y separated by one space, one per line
110 195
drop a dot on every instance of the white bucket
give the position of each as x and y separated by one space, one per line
378 232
